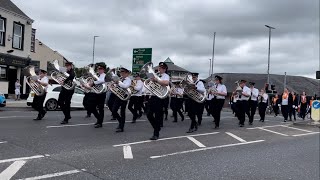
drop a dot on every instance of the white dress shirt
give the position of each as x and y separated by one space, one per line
247 91
264 97
44 80
209 97
221 88
125 83
178 93
164 76
200 86
138 87
145 91
235 98
254 94
100 79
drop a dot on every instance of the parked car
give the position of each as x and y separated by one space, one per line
2 100
51 101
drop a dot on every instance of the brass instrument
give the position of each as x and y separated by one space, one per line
155 88
238 89
174 89
31 80
187 84
96 88
61 75
123 94
133 84
212 88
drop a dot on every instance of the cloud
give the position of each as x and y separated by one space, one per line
183 30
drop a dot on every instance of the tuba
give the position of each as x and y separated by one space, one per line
155 88
133 84
187 83
60 76
97 88
123 94
31 80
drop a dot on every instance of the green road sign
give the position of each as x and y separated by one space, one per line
140 57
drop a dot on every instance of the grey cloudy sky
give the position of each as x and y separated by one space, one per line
183 30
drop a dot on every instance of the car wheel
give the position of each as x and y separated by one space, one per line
51 104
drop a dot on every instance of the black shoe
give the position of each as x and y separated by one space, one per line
250 124
241 125
182 118
190 131
175 121
284 120
112 119
196 128
96 123
262 120
64 122
98 126
119 130
37 118
44 113
154 138
199 123
216 127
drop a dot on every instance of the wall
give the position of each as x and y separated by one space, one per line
4 87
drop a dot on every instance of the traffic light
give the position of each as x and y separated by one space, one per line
266 87
273 87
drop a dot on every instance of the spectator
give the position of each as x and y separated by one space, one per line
17 90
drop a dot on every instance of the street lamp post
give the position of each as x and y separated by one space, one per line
214 40
210 68
269 52
94 43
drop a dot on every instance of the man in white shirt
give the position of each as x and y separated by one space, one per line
125 83
195 107
218 100
263 103
243 104
253 103
136 99
176 100
155 112
38 100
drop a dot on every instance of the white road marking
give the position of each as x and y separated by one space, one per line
236 137
177 137
7 117
297 129
52 175
88 124
127 153
20 159
198 143
305 134
265 126
273 132
11 170
204 149
2 142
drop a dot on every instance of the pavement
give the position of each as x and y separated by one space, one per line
45 149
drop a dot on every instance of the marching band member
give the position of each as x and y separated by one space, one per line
135 100
118 103
208 103
155 113
176 101
263 103
218 100
284 101
65 95
146 96
252 102
303 105
275 105
195 107
243 104
235 99
38 100
293 105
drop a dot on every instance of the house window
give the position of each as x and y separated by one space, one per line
3 73
17 42
33 39
2 31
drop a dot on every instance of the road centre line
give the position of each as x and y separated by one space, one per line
20 159
8 173
204 149
236 137
52 175
198 143
273 132
296 135
162 139
297 129
88 124
127 152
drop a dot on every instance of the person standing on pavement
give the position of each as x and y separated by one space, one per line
218 100
17 90
263 103
38 100
252 102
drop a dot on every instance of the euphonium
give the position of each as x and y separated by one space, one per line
187 82
123 94
60 76
239 89
155 88
133 84
97 88
212 87
36 87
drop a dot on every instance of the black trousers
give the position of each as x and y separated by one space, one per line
176 105
303 110
64 102
37 104
292 112
111 101
276 109
96 105
242 109
135 106
165 107
262 110
85 103
216 111
234 108
252 110
193 110
118 103
285 111
207 106
155 114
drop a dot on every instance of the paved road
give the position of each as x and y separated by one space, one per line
42 149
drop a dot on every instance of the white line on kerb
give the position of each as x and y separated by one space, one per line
273 132
236 137
11 170
127 153
22 158
305 134
177 137
297 129
52 175
198 143
88 124
204 149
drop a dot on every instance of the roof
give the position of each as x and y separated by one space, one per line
10 6
172 66
295 83
168 61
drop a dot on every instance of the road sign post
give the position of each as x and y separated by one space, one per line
140 57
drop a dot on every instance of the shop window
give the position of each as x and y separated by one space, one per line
17 42
3 73
2 31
